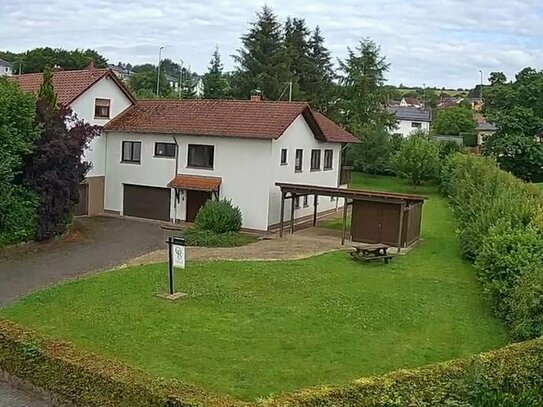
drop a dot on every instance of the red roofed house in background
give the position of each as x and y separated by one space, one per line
96 96
165 158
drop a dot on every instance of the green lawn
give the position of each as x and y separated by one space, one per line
252 329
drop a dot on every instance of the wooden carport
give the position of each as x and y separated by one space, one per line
400 213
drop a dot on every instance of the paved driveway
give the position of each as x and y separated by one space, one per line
95 244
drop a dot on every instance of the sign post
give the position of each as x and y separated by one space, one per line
176 259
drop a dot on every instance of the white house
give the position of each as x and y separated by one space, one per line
165 158
5 68
409 119
96 96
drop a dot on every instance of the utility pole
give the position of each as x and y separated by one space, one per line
158 72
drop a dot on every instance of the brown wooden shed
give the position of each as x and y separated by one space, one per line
377 217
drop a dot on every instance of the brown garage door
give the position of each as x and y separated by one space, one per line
146 202
83 204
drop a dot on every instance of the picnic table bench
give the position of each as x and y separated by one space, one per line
371 252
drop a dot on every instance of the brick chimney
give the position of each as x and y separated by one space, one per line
256 98
91 66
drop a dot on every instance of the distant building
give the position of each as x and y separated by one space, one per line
411 102
5 68
485 130
122 73
410 119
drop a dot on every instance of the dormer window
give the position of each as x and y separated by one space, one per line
101 108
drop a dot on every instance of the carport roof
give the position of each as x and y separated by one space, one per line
195 182
351 193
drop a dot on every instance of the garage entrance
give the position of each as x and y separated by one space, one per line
146 202
82 207
377 217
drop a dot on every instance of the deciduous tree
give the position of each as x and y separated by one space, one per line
454 121
54 168
418 159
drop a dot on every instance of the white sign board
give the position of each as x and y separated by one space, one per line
178 256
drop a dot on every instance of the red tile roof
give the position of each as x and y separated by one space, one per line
227 118
195 182
68 85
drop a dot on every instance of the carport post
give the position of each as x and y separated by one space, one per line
402 211
315 198
292 198
282 214
344 221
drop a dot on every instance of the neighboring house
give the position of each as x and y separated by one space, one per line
95 96
410 119
449 101
5 68
122 73
411 102
484 130
166 158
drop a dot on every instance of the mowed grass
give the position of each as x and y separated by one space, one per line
252 329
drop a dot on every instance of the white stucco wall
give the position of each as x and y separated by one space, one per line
242 164
404 127
299 136
83 106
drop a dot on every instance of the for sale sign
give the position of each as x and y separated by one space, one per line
178 256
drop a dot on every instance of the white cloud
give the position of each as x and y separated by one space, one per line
442 43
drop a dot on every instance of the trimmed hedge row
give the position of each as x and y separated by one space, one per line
89 380
500 227
511 376
511 373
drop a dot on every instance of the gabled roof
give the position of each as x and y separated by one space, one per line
4 63
225 118
69 85
486 126
410 113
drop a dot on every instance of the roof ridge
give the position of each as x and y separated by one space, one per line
65 71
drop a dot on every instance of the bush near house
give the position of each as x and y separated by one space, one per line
217 225
504 377
219 216
500 227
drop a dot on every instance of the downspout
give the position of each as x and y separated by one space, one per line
176 194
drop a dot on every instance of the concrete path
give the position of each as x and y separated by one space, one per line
302 244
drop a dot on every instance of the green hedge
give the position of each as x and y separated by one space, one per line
500 227
89 380
513 374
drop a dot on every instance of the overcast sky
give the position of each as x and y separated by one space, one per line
437 42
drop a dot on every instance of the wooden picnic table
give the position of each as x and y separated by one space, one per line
371 252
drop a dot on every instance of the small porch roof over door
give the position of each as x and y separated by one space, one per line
195 182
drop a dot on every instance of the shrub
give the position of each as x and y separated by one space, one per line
86 379
219 217
417 159
374 152
506 255
500 227
206 238
512 373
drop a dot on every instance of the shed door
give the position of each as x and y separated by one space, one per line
365 222
146 202
83 204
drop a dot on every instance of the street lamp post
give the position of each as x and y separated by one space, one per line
481 90
158 72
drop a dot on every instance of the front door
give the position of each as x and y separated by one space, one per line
195 200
